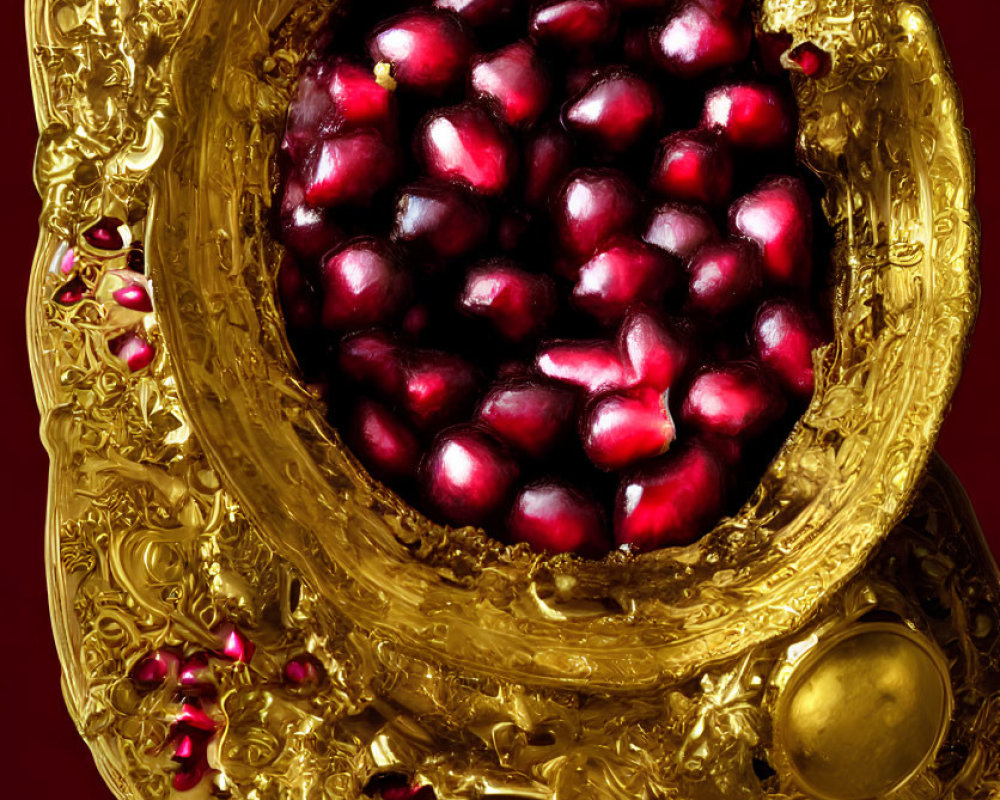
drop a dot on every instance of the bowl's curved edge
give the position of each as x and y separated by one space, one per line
51 340
758 574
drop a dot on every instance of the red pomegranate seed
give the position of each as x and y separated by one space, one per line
548 156
429 49
441 219
574 24
135 351
516 302
310 114
185 748
680 230
373 358
749 115
133 297
654 355
71 293
784 336
362 285
304 670
777 216
723 277
306 231
234 645
357 98
621 428
480 12
438 388
194 670
190 740
693 166
814 62
191 717
531 415
136 258
308 234
694 41
593 205
67 262
625 272
670 501
591 364
298 299
190 754
615 110
464 143
153 670
554 517
467 475
190 774
515 80
383 443
350 168
105 234
732 400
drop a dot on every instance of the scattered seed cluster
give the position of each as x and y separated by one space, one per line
553 263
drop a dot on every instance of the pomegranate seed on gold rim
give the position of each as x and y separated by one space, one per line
133 297
135 351
105 234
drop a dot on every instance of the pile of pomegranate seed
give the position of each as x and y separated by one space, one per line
190 682
553 262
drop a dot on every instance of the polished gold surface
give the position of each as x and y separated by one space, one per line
864 712
206 487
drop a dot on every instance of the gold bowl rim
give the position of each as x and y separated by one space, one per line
907 290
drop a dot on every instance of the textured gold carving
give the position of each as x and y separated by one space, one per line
206 488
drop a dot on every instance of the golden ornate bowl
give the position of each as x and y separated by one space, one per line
816 644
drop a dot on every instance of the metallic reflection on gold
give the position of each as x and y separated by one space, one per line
207 488
864 712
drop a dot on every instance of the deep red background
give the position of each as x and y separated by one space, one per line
42 754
